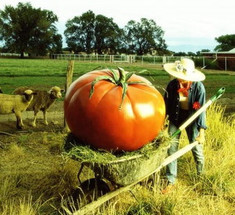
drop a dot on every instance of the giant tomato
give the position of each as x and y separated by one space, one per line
114 111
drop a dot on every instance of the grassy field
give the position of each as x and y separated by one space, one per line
45 73
36 179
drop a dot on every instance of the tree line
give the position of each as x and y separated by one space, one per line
25 29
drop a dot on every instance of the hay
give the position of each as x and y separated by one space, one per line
85 153
121 168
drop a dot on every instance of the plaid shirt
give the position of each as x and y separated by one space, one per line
197 94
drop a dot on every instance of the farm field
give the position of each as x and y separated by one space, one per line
35 178
45 73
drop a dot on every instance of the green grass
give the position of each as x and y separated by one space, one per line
25 67
45 73
8 84
31 67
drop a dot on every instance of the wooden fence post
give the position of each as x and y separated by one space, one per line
69 80
225 64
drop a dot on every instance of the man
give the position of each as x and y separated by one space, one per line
185 94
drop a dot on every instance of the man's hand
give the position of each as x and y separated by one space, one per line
201 137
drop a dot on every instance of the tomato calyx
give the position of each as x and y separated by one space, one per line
120 79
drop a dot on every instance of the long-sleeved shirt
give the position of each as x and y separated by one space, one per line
197 94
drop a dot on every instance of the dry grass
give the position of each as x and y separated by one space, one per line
85 153
34 177
33 169
213 193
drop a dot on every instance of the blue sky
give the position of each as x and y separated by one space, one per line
189 25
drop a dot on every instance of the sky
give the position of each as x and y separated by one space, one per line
189 25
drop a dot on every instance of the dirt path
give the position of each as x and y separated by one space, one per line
55 119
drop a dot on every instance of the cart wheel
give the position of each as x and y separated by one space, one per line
90 190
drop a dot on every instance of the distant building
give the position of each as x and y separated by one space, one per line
225 59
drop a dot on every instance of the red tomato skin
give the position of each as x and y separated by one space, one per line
98 121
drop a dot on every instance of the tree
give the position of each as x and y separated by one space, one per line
205 50
90 32
25 29
79 32
199 53
106 35
191 54
144 37
227 42
180 53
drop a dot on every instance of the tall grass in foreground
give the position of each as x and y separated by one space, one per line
28 191
213 193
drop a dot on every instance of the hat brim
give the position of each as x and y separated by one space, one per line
195 76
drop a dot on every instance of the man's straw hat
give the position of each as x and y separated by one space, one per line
185 70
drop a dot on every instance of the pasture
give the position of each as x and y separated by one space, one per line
35 178
45 73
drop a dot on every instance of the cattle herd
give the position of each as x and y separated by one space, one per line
28 99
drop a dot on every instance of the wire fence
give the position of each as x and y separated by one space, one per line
204 62
9 55
116 58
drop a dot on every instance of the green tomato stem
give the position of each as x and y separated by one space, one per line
122 81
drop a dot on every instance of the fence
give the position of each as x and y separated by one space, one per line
204 62
219 62
115 58
9 55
